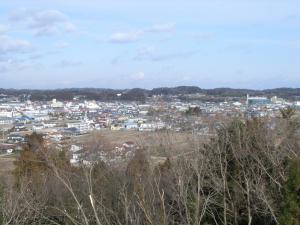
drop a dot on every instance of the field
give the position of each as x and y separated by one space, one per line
160 143
6 167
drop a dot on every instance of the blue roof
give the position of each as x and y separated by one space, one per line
24 118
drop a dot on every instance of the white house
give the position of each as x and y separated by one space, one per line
6 120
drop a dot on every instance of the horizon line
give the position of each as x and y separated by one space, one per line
147 89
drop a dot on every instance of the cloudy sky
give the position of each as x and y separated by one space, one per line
137 43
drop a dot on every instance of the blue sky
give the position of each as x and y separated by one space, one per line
133 43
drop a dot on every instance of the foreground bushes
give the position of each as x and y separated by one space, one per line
248 174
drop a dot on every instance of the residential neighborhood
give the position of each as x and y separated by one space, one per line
59 121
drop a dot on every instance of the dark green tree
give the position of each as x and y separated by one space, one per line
288 112
290 213
193 111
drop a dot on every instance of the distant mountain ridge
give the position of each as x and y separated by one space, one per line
139 94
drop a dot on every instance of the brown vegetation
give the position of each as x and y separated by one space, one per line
244 175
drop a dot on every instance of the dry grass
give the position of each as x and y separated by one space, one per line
158 144
171 142
6 168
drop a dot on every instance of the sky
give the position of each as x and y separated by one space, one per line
159 43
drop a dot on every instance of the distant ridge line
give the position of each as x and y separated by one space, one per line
139 94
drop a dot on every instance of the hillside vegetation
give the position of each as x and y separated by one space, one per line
138 94
247 174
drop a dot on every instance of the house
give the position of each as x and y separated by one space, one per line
7 148
16 138
72 131
20 127
75 148
91 105
37 127
116 127
41 117
77 152
82 126
49 124
57 104
74 161
128 145
130 125
6 120
152 126
6 113
24 119
147 127
55 137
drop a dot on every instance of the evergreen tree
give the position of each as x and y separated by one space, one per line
290 213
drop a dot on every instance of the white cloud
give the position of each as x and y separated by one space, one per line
61 45
45 22
204 35
153 54
175 55
5 65
160 28
129 37
146 53
68 64
9 64
10 48
125 37
11 45
138 76
3 29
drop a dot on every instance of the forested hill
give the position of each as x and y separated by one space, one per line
138 94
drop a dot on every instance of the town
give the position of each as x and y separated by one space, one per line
149 112
67 123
